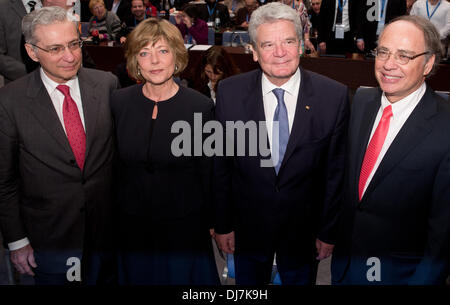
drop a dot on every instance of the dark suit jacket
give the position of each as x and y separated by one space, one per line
404 215
326 19
368 29
220 11
284 212
11 58
43 194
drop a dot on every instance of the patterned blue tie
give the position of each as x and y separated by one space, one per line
281 116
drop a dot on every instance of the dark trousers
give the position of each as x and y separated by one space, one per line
257 270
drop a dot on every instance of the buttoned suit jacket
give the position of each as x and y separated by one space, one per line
43 193
403 219
282 213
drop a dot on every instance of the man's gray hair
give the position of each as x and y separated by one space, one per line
44 16
270 13
431 35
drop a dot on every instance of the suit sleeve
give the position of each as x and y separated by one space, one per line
435 266
335 173
10 67
10 221
222 171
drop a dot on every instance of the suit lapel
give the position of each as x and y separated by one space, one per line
90 106
301 117
42 108
254 108
410 135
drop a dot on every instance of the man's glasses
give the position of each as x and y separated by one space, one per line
399 56
58 49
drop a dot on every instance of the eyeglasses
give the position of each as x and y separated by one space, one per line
400 57
58 49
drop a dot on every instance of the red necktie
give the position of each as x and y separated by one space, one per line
374 148
74 127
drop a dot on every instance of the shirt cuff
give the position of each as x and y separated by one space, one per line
18 244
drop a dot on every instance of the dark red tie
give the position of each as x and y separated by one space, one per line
374 148
74 127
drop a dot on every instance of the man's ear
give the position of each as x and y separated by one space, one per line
429 65
254 53
31 52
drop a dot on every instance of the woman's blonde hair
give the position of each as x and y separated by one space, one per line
93 3
151 31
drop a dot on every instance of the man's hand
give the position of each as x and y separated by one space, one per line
225 242
323 249
310 46
23 260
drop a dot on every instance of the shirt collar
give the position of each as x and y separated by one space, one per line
405 103
291 86
51 84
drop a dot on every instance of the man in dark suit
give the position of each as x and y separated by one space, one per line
337 26
371 24
56 151
211 10
284 204
13 58
395 224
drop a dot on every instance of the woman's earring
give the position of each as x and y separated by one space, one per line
139 72
176 68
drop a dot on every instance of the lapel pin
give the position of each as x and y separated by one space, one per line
307 107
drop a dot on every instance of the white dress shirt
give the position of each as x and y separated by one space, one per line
291 89
115 6
401 111
57 99
345 18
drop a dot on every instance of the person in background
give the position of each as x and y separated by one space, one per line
217 65
56 159
106 23
119 7
437 11
300 7
193 29
150 9
338 26
211 10
233 6
314 15
163 194
138 14
243 14
72 7
368 29
14 61
394 227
